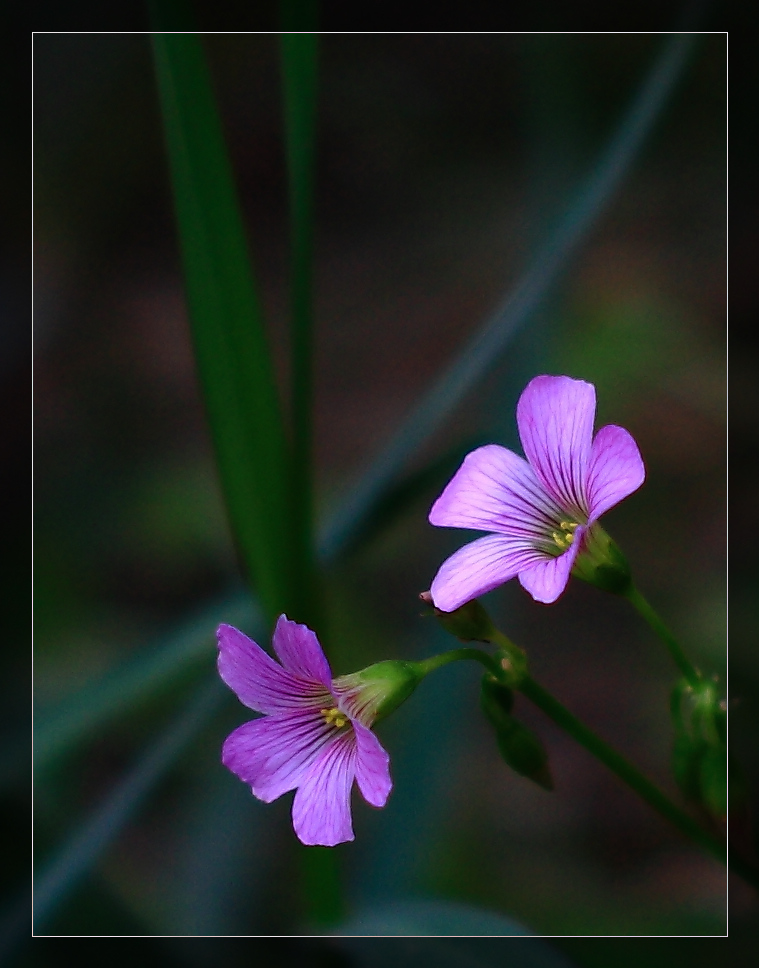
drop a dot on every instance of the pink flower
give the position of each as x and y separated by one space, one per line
311 739
538 511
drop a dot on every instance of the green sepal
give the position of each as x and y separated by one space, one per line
469 623
601 563
380 689
519 746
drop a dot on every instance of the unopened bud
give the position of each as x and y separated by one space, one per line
496 700
519 746
686 761
713 780
469 623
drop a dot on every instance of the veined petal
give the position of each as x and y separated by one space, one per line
372 767
479 567
615 470
547 579
299 651
260 682
496 490
273 754
555 417
321 808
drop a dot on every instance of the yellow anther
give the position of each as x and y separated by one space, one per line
563 540
333 717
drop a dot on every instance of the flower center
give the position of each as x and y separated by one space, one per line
566 535
333 717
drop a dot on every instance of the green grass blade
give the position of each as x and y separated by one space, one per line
81 715
498 329
299 68
231 349
320 873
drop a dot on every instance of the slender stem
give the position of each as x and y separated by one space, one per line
299 73
593 743
630 775
646 612
436 661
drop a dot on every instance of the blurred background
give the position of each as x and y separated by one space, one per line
443 161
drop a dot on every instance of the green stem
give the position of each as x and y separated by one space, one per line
593 743
299 71
649 615
631 776
437 661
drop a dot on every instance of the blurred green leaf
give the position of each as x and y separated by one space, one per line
299 72
79 716
411 920
429 917
227 324
84 847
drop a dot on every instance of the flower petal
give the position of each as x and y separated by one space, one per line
321 808
479 567
555 418
616 469
546 580
496 490
372 767
299 651
260 682
273 754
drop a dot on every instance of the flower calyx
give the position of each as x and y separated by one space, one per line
469 623
703 768
378 690
600 562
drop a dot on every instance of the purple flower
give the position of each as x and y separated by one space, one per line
539 511
311 739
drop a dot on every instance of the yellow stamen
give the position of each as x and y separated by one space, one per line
333 717
564 538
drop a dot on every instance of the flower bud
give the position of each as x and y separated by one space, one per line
378 690
496 700
686 760
469 623
519 746
713 780
704 771
600 562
